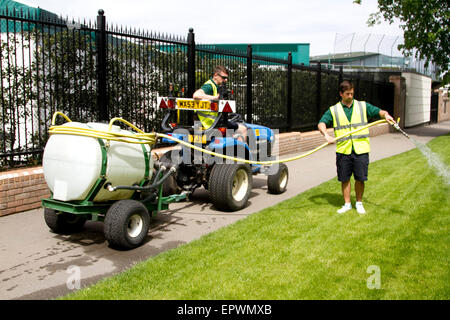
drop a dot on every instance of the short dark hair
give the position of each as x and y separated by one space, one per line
345 85
219 69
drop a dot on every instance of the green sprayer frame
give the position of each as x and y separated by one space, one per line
96 211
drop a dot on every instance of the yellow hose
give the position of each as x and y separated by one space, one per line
267 162
139 138
57 113
150 138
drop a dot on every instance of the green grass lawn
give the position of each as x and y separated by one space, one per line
301 249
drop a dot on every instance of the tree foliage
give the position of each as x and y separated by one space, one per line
426 28
14 93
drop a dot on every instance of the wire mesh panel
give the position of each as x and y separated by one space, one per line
330 90
269 89
378 93
304 98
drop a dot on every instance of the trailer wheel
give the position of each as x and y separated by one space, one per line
126 224
230 186
63 222
277 183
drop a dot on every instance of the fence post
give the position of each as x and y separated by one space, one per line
102 99
191 63
289 91
249 83
358 86
319 91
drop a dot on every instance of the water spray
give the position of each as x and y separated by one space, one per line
433 159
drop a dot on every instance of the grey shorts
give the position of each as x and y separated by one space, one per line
356 164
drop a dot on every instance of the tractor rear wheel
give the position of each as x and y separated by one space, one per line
230 186
277 183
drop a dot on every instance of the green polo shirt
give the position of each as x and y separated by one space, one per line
208 89
372 113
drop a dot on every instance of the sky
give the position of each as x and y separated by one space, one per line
329 26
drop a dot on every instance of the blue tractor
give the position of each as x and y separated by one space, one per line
228 181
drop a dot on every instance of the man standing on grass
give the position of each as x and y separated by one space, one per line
352 152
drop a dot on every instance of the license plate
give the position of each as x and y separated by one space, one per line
197 138
193 104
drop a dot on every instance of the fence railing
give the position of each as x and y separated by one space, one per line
93 71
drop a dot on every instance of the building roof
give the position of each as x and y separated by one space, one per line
343 57
8 7
300 51
265 46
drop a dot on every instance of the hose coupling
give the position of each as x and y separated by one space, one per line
109 187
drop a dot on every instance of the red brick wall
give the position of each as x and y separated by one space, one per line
22 190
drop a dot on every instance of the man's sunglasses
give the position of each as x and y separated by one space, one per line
223 77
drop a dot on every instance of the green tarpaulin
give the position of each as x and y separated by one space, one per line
9 8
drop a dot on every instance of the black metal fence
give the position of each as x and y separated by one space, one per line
93 71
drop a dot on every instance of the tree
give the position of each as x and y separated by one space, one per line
426 28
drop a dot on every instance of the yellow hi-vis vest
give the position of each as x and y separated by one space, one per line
359 140
207 117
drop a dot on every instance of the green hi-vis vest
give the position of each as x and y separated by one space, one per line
207 117
359 140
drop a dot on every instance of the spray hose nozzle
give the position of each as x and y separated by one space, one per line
396 126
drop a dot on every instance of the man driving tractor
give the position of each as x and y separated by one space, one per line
209 91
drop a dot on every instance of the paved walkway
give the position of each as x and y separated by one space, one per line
34 262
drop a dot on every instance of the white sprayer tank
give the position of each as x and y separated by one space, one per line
74 164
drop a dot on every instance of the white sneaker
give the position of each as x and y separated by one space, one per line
346 207
360 208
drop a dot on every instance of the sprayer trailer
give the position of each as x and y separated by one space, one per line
101 180
101 172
